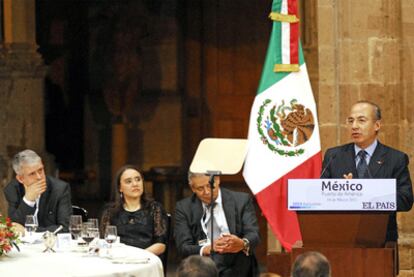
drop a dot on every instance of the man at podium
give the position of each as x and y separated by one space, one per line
366 157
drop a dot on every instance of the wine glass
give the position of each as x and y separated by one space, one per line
75 226
31 224
110 234
95 227
87 232
95 222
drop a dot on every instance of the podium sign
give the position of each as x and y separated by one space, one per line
342 195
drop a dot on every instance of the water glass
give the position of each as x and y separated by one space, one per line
75 226
95 222
86 233
31 224
110 234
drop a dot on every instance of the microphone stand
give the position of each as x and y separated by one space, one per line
212 174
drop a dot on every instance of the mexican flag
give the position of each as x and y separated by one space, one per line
283 135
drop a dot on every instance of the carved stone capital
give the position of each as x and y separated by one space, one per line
21 60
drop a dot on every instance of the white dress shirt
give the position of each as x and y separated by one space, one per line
219 217
32 204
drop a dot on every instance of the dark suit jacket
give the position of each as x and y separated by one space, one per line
386 162
242 222
55 207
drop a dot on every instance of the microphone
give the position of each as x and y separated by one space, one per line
327 165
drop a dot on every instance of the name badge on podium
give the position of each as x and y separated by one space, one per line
342 195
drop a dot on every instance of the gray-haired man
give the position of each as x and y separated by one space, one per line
236 228
34 193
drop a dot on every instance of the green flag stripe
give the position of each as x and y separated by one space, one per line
277 6
274 55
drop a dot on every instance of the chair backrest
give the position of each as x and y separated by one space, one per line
76 210
164 256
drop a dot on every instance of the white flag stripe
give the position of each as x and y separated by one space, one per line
285 40
260 176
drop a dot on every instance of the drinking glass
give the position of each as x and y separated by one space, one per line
87 232
94 232
75 226
31 224
110 234
95 222
95 227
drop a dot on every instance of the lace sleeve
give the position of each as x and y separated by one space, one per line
160 223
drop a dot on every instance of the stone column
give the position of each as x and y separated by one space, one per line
21 88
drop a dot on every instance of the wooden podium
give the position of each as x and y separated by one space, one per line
351 233
353 242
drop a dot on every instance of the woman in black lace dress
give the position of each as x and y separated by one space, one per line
140 222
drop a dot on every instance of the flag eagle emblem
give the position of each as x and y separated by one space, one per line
284 127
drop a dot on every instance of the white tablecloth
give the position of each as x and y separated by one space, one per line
31 261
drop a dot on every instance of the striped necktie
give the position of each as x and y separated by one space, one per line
207 222
362 167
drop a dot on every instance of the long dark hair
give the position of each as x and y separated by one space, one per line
117 198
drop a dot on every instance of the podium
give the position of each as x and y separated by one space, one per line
353 242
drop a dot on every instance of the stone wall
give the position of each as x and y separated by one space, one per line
365 53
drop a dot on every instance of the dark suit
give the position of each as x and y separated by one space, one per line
241 219
385 163
55 207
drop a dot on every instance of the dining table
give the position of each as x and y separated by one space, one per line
116 260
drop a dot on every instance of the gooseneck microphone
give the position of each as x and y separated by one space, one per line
328 164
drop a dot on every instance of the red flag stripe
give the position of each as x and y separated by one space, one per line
294 33
273 202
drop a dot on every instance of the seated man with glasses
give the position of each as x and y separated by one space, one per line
235 228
